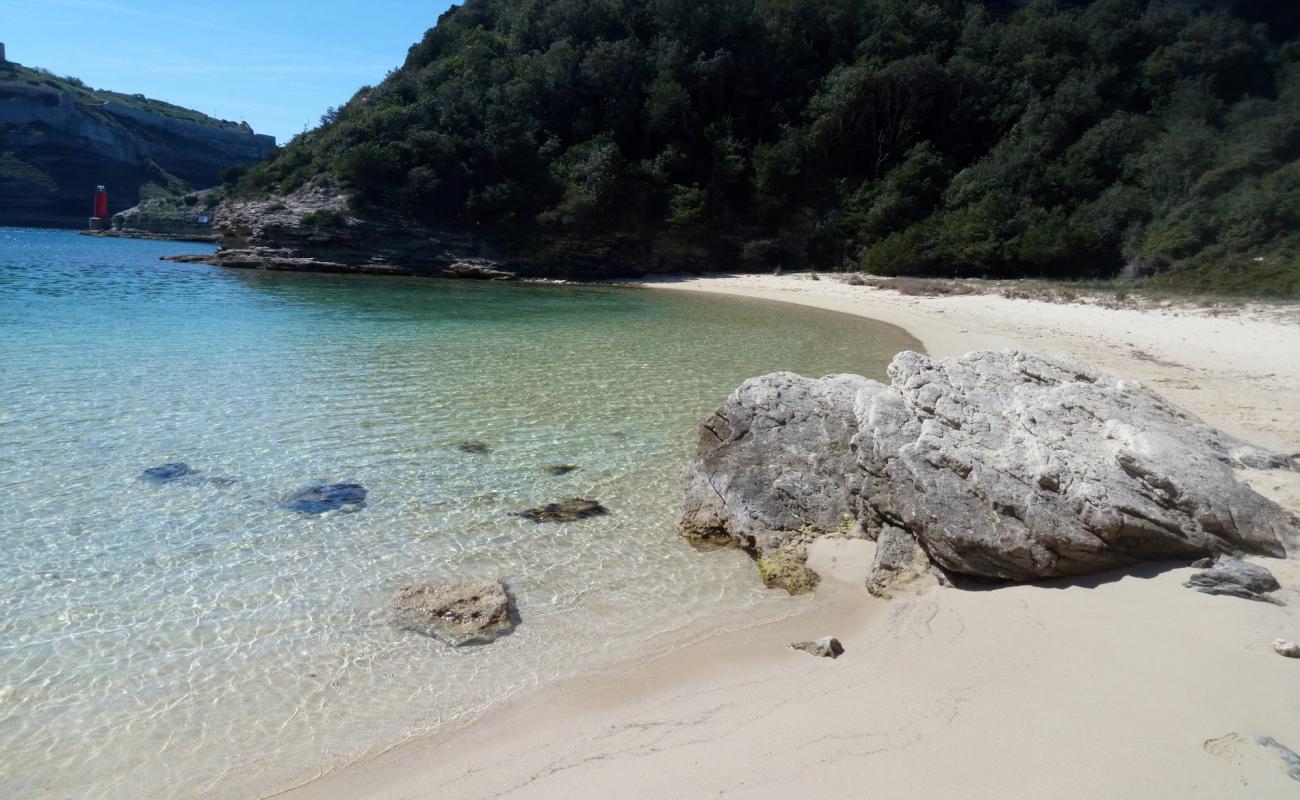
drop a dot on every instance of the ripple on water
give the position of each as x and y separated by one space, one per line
157 637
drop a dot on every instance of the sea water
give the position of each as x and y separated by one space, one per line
194 639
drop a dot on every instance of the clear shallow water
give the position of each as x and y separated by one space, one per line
197 640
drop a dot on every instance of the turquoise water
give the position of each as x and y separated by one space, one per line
195 640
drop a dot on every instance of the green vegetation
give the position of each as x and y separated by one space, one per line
162 184
87 96
15 169
938 138
324 217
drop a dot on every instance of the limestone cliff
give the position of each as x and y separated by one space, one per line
59 139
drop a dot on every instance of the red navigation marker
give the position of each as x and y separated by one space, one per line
101 203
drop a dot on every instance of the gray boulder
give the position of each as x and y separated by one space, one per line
774 461
1004 465
1236 578
1287 649
462 613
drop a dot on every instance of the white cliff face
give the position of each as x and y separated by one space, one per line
1005 465
77 144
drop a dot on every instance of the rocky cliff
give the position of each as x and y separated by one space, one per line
59 139
318 229
1010 466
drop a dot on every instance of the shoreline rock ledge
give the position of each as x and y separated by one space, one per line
1005 465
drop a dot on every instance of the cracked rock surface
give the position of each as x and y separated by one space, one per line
1009 465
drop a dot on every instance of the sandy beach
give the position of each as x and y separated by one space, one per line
1121 684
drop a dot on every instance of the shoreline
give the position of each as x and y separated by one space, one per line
1025 689
1194 357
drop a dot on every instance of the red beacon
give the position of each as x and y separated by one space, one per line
99 220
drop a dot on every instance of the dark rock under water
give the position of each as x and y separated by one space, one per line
575 508
324 497
180 472
167 473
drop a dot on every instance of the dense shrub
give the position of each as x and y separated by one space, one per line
930 138
321 217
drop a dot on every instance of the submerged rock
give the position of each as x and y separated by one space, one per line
1236 578
477 448
166 473
179 472
462 613
560 469
826 647
565 511
324 497
1004 465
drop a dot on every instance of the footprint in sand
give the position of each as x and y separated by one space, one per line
1234 748
1227 747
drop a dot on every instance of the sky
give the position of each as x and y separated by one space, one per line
275 64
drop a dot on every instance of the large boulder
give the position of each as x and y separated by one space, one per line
1006 465
774 461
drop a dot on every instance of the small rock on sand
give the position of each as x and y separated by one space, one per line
1236 578
826 647
1284 648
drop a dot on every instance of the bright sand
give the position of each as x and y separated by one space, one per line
1124 684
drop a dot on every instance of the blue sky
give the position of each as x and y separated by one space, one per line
278 65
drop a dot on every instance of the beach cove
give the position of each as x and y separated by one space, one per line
1119 684
195 638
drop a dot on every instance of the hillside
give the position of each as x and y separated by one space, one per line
60 138
1060 139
